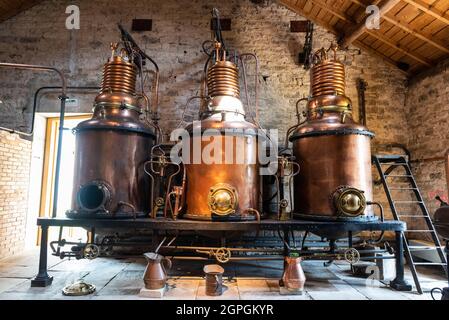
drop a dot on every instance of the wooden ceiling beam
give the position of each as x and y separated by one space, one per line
361 28
414 56
404 26
332 29
301 12
429 9
341 15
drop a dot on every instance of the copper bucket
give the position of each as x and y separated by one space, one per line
214 279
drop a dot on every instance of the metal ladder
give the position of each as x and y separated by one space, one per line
386 165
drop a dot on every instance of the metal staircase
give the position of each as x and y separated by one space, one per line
388 167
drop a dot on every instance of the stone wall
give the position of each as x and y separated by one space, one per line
428 106
39 36
14 178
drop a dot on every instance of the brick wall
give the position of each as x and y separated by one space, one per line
428 107
39 36
14 178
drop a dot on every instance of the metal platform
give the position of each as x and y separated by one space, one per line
43 279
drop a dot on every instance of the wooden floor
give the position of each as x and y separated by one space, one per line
122 279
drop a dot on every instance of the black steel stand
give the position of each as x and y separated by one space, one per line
399 282
43 279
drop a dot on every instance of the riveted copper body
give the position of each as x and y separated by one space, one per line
225 187
111 149
242 174
332 150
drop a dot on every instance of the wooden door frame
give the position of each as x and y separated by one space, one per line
48 172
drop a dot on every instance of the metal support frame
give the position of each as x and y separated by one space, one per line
160 224
399 282
43 279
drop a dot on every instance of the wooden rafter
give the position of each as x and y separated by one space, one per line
398 23
429 9
414 56
404 26
326 6
353 26
300 11
361 28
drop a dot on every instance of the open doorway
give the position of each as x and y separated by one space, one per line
42 177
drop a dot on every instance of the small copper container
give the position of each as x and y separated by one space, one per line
293 278
214 279
155 276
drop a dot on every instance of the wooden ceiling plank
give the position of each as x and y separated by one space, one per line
306 14
429 9
398 23
361 27
395 46
323 5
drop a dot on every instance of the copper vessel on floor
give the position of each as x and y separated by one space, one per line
112 147
293 278
333 151
155 275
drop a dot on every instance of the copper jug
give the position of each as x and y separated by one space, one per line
155 275
293 278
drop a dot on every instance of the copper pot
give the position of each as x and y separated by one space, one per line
293 278
331 155
224 191
155 276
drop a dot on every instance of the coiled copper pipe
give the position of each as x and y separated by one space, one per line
328 78
119 76
223 79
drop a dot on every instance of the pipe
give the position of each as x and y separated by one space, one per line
36 68
63 98
382 219
256 84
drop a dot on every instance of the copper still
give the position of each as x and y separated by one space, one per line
333 151
112 147
222 184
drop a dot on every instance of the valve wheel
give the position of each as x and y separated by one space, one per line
223 255
352 256
91 251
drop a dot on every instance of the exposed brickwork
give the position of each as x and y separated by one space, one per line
39 36
14 178
427 105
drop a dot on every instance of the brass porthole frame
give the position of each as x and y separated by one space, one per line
222 187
